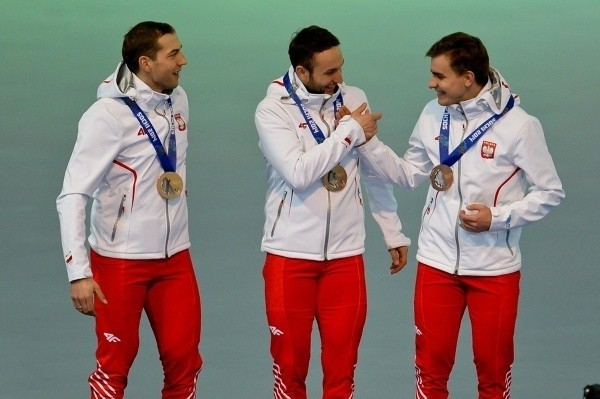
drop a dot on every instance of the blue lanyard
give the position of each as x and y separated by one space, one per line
470 141
314 128
168 162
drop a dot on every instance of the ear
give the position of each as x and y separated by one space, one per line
145 63
302 72
469 78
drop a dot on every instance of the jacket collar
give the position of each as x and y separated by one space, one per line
124 83
473 107
491 99
310 100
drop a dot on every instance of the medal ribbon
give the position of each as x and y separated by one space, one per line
470 141
168 162
314 128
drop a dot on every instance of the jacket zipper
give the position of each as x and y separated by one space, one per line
326 244
328 222
460 197
168 228
278 212
164 116
119 214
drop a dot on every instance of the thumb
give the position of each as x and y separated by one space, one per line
100 294
360 109
395 256
377 116
475 207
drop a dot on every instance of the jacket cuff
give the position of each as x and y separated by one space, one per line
400 241
500 220
354 130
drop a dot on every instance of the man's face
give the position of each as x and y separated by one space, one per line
451 88
326 73
163 71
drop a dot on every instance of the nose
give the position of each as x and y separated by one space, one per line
432 82
338 77
182 59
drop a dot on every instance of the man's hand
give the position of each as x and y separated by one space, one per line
82 295
399 258
341 112
363 116
476 218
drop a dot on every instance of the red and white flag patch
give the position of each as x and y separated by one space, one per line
488 149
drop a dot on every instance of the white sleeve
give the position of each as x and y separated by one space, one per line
406 172
96 147
545 188
384 209
282 148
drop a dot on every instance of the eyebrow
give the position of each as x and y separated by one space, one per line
330 70
175 50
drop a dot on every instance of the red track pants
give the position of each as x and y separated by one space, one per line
166 289
439 304
333 293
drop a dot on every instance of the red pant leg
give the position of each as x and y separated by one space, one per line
439 304
341 315
290 302
492 305
174 312
117 323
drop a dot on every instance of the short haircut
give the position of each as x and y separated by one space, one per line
466 53
308 41
142 40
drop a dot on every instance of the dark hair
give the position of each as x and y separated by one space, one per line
308 41
142 40
466 53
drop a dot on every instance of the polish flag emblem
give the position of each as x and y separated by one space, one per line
180 122
488 149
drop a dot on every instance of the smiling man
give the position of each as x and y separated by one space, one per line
130 158
314 229
491 174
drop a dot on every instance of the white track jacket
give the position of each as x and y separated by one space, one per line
114 163
509 169
302 218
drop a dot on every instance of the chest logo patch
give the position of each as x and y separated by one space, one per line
180 122
488 149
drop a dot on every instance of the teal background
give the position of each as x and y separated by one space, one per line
55 53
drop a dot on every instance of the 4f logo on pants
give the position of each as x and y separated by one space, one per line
111 337
275 330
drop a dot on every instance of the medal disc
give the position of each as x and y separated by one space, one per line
441 177
335 179
169 185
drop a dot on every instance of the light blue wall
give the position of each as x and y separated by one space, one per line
54 54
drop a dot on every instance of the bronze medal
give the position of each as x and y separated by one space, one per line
441 177
335 179
169 185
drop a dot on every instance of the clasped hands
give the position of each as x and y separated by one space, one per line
363 116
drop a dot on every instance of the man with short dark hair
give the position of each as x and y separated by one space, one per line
314 218
130 159
491 174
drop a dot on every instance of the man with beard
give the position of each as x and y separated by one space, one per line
314 230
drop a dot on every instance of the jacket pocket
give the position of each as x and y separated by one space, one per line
359 198
278 212
508 243
119 214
